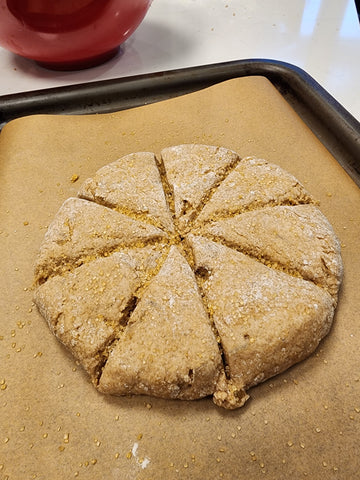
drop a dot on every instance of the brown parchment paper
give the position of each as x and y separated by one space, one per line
55 425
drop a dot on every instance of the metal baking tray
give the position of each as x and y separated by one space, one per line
336 128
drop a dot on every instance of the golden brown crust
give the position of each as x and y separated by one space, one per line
195 274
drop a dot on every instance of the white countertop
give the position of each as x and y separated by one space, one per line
320 36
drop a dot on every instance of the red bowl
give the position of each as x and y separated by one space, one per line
68 34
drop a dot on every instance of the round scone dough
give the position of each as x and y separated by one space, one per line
190 273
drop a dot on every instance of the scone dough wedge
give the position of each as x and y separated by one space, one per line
267 320
297 239
88 307
192 171
82 230
168 348
254 183
131 184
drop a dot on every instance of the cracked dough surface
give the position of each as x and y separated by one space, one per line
190 273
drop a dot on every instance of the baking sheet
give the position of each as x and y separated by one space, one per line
337 129
53 423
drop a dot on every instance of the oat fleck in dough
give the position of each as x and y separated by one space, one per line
189 274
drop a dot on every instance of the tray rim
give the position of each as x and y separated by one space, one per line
105 96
